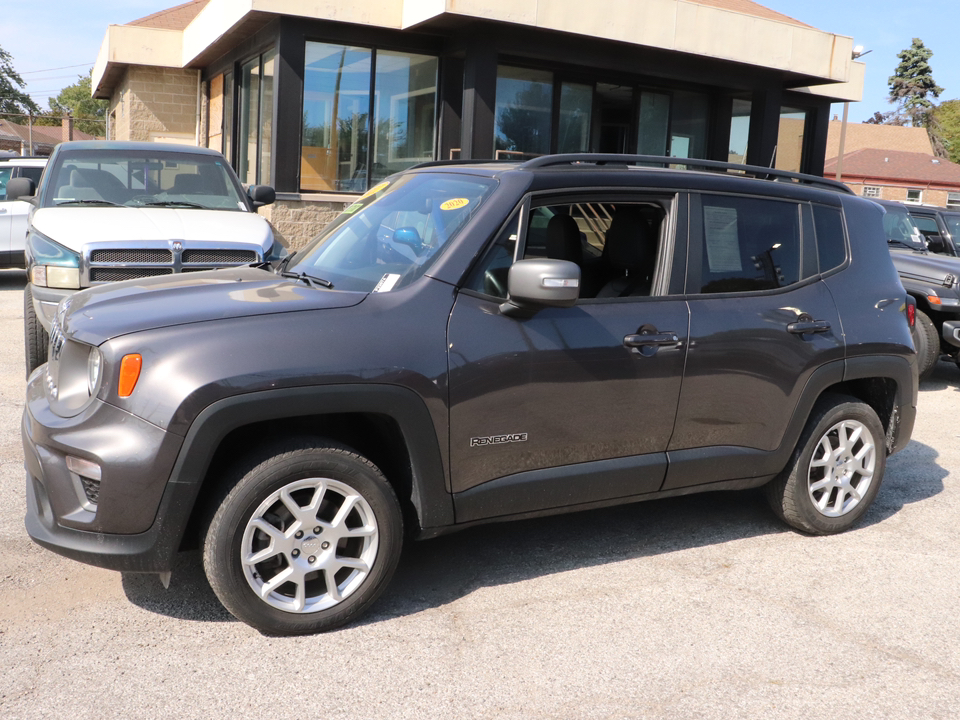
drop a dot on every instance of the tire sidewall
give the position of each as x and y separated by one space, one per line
800 468
223 542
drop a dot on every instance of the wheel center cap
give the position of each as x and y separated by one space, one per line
311 545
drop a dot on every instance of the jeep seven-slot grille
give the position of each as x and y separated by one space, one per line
232 257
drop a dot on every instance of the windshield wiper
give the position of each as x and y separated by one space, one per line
174 203
308 279
891 241
89 202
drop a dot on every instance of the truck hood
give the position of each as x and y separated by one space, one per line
97 314
924 266
73 227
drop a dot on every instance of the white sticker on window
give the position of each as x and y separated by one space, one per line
387 282
723 242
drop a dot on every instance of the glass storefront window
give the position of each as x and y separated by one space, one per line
266 116
739 131
405 113
576 108
790 139
256 118
336 108
228 116
523 112
249 95
689 120
654 122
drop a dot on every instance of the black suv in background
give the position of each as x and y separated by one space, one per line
931 275
940 227
471 343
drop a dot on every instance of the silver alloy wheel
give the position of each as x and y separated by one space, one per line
309 545
842 468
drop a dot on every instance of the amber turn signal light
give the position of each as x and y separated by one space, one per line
129 374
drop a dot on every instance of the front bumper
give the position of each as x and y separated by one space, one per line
122 522
951 332
45 301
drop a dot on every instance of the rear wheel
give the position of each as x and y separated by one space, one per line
35 338
927 342
305 541
836 470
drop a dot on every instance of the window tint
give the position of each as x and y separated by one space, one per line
831 248
33 173
5 174
749 244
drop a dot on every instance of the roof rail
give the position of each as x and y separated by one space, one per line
754 171
472 161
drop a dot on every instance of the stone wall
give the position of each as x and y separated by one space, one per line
296 222
152 103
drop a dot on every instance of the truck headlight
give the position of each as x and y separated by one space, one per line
51 264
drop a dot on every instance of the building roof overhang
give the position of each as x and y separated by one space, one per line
809 59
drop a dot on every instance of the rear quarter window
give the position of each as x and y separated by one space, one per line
831 242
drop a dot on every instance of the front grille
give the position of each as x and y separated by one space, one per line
91 488
235 257
107 274
139 257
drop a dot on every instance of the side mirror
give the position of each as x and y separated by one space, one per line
20 188
261 195
538 283
410 237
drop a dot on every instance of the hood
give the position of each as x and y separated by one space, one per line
97 314
73 227
925 266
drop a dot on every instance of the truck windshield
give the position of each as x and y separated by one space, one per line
901 229
136 178
952 221
391 235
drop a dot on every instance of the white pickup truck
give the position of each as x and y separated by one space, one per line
108 211
14 214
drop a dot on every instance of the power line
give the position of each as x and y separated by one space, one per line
65 67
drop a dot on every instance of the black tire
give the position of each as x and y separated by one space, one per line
35 338
795 494
238 525
927 342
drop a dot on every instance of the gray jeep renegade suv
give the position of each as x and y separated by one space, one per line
470 343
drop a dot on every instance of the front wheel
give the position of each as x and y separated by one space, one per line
836 470
927 341
305 541
35 338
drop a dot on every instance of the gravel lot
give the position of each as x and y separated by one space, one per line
699 607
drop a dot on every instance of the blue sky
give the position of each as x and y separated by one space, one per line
71 33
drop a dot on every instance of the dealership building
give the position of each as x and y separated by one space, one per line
323 98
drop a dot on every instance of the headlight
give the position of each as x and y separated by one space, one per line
93 370
51 264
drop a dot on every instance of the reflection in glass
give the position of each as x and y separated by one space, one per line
739 131
688 125
228 116
790 139
654 121
249 94
524 103
405 111
576 105
336 106
266 116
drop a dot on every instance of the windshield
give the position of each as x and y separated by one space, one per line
953 225
901 229
393 233
142 178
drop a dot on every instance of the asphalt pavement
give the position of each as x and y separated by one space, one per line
696 607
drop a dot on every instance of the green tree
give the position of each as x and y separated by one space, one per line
89 114
947 116
12 98
913 89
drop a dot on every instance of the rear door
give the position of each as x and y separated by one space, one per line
761 322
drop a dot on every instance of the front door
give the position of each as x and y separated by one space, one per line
573 405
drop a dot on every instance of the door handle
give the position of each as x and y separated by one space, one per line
806 324
665 339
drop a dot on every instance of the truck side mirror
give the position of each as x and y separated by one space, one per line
261 195
20 188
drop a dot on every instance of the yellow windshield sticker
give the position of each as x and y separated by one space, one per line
455 204
353 208
374 190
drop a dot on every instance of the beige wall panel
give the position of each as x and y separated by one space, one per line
418 11
652 22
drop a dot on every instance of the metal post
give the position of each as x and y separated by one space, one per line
843 140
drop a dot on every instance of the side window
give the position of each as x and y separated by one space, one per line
749 244
831 247
4 177
33 173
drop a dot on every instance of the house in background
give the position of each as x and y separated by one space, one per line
323 100
17 138
892 162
